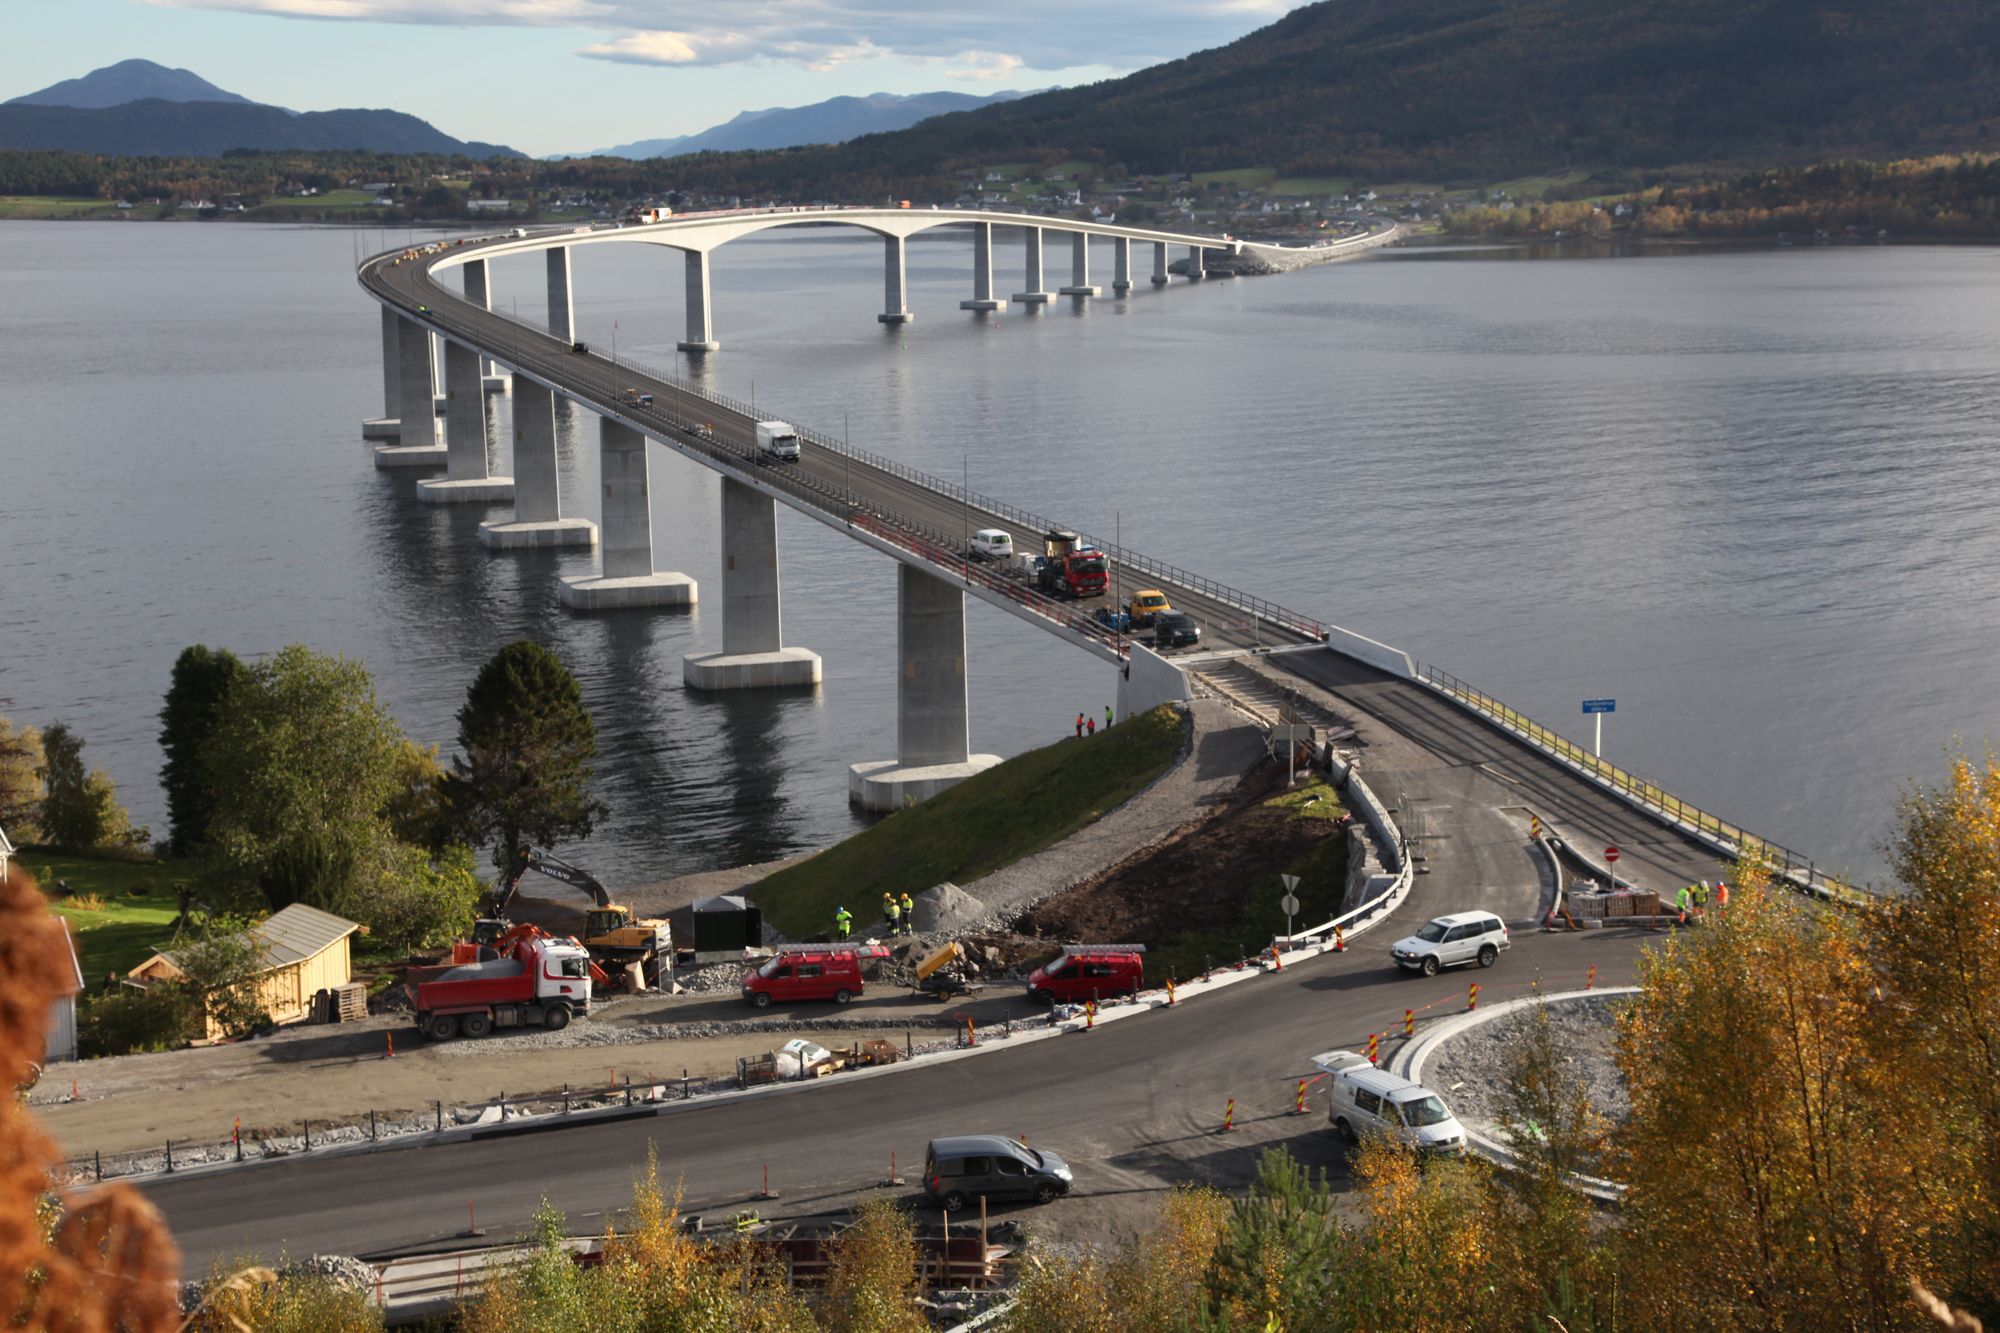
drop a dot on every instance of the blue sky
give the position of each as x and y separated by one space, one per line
567 75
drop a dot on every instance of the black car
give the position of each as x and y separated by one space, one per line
581 349
1175 629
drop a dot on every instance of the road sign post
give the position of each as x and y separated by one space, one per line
1597 708
1611 861
1289 903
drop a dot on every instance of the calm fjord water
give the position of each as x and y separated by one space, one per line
1749 495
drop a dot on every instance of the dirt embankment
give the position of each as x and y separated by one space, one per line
1199 882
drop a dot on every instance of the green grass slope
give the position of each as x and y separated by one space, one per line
121 912
1010 811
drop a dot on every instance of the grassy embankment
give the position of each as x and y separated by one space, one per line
120 911
1010 811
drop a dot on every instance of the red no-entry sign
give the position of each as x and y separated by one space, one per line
1611 855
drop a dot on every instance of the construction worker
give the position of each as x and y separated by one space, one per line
1722 895
892 914
909 909
1107 717
1079 726
1091 726
1684 900
843 923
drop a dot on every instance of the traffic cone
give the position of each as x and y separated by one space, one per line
1299 1102
1229 1116
1339 941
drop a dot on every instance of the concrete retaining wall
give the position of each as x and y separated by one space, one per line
1364 649
1147 681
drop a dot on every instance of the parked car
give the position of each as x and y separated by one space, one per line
1448 941
809 972
1365 1100
958 1170
1089 972
581 349
1175 629
991 544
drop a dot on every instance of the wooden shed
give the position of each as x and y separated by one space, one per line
301 950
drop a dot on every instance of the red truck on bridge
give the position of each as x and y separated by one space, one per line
543 983
1071 569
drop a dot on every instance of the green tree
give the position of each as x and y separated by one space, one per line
80 809
21 764
527 741
195 703
303 763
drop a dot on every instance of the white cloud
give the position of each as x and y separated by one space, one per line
975 42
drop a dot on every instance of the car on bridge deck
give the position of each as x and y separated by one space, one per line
1449 941
991 544
1175 629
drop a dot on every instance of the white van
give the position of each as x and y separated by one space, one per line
1365 1100
991 544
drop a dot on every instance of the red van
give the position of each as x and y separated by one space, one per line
809 972
1098 972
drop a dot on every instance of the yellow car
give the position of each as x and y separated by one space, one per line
1147 604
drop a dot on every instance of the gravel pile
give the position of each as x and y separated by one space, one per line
948 907
343 1269
1470 1070
711 978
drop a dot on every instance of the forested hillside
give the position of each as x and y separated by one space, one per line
1475 89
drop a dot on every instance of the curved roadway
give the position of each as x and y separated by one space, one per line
1134 1106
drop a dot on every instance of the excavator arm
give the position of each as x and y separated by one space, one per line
528 858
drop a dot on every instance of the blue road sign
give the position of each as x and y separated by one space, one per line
1600 706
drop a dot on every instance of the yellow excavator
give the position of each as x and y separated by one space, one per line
611 934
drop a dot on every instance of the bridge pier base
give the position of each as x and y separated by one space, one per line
1160 275
895 286
1196 272
1079 268
1121 264
538 518
1031 247
417 443
467 479
982 271
700 328
753 654
625 575
389 425
933 739
562 311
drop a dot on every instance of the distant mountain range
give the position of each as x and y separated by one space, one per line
137 108
1391 90
835 120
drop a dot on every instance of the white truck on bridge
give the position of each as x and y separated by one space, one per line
777 442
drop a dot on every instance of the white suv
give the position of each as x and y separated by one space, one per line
1447 941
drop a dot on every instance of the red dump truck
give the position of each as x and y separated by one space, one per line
543 983
1071 569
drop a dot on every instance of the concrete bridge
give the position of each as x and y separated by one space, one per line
921 522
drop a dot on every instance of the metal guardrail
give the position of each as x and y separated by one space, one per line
1796 867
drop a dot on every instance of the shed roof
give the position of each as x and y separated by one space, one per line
288 936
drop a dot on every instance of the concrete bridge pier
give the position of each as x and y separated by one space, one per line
1079 267
753 654
982 271
700 331
1035 294
466 479
538 518
492 378
625 576
417 444
895 286
1121 264
1195 271
1160 275
389 425
933 737
562 310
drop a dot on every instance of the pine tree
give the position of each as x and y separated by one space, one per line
526 742
195 704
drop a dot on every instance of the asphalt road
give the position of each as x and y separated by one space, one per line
1133 1106
819 477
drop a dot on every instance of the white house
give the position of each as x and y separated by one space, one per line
61 1044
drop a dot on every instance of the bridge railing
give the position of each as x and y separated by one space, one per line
1796 867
